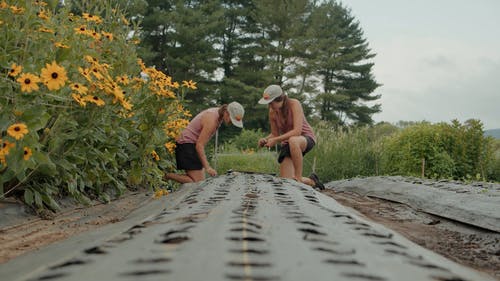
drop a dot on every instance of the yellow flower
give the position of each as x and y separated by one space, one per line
46 30
43 15
17 130
108 35
15 70
124 20
27 153
79 99
40 3
28 82
17 10
81 89
96 72
155 155
159 193
95 34
54 76
82 29
86 73
90 17
6 146
4 5
170 147
94 99
189 84
61 45
126 104
123 79
91 59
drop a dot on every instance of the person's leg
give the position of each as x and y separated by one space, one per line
190 176
286 168
297 146
196 175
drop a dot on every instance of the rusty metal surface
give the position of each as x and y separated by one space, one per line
254 227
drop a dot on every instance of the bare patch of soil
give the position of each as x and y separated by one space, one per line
37 232
464 244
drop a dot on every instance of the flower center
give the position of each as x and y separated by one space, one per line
27 81
17 129
54 75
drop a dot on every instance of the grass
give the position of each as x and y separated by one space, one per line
257 162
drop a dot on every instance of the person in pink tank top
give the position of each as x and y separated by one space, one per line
290 128
190 145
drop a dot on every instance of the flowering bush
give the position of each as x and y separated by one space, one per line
80 114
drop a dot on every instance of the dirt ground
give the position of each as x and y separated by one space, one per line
466 245
469 246
38 232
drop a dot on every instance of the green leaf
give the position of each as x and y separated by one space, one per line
28 197
38 199
46 166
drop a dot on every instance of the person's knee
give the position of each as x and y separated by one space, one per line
294 142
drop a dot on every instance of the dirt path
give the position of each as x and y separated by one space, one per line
470 246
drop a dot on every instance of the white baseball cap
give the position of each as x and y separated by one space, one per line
236 113
270 93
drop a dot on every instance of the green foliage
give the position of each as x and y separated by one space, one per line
258 162
438 150
76 117
245 141
341 154
237 48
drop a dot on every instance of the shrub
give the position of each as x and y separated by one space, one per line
76 116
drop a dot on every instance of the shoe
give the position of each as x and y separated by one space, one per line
317 182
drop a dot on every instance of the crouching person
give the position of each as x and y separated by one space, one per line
190 145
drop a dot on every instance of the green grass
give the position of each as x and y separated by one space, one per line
258 162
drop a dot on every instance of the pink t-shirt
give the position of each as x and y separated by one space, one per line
284 126
192 132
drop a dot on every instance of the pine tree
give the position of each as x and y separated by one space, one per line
340 58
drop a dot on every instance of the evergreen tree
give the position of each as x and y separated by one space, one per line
340 58
180 39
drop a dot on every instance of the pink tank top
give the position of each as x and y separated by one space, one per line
192 132
284 126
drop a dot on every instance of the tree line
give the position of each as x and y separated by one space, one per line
233 49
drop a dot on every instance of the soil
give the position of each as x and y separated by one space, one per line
34 232
472 247
467 245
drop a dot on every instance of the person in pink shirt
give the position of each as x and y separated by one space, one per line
190 145
289 128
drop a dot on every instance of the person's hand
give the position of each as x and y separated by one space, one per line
211 172
271 142
262 142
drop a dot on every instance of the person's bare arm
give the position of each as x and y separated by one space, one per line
209 125
274 130
297 114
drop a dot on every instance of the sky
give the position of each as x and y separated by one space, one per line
437 60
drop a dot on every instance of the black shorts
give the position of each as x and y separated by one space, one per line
187 157
285 149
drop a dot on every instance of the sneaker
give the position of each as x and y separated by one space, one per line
317 182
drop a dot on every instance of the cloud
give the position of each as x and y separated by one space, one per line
437 80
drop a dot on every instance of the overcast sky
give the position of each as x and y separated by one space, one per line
438 60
